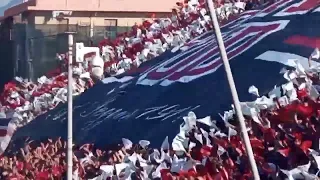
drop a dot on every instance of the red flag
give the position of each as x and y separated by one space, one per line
305 146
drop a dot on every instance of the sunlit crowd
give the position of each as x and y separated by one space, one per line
283 126
26 99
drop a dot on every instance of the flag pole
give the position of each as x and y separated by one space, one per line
70 90
233 89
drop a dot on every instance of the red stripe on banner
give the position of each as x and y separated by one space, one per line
303 41
3 132
137 70
305 6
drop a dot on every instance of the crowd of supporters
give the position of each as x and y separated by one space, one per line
284 130
24 100
283 127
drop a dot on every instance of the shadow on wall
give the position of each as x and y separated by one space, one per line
6 62
30 54
43 50
34 52
6 54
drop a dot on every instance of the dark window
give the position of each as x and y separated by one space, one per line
110 28
83 29
83 33
63 26
122 29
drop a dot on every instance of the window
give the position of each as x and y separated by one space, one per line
83 32
63 26
122 29
83 29
110 28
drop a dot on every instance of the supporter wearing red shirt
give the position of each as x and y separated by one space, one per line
284 114
42 175
305 110
57 171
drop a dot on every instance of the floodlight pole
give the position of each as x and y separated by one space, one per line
70 90
233 89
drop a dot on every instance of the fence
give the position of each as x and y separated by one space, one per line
42 53
35 46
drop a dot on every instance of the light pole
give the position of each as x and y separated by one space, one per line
70 92
233 89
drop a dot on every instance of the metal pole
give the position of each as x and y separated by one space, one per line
233 89
70 90
27 53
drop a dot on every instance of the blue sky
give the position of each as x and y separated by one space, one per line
5 4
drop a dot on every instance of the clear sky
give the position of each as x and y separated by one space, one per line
5 4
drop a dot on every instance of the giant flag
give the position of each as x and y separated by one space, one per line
149 103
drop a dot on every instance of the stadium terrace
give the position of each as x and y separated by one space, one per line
167 58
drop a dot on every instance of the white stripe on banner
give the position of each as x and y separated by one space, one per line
113 79
317 10
4 141
285 58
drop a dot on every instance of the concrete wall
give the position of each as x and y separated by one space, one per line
92 6
95 22
123 18
106 5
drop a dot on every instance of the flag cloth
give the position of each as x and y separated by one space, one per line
7 128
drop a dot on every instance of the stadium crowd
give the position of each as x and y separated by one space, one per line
283 126
24 100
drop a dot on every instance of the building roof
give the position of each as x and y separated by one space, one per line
92 5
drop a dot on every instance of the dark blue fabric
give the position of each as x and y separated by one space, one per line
4 121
